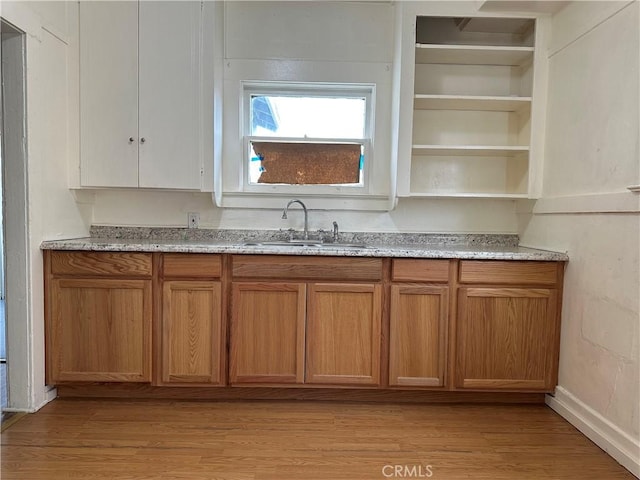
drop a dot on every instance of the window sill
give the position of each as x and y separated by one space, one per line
313 202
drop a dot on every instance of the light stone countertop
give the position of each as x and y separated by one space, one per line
480 247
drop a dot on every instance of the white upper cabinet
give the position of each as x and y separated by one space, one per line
471 114
109 94
140 94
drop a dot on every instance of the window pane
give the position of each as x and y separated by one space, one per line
307 117
306 163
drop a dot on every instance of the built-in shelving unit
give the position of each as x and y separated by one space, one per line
472 107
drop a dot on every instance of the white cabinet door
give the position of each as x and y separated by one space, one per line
109 94
169 108
140 91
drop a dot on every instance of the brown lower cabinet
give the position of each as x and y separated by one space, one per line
191 332
99 314
508 325
267 332
418 322
190 347
303 332
418 334
506 338
297 333
343 334
188 319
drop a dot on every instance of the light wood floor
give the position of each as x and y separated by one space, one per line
114 439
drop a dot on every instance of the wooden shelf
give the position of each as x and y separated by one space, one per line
473 54
469 150
471 102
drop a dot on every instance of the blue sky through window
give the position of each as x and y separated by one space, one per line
308 117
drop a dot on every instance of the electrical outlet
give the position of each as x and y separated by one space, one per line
193 220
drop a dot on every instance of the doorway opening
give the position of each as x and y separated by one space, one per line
13 221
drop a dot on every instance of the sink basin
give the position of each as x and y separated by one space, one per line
283 243
294 243
344 245
303 243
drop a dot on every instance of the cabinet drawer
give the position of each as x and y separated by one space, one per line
101 263
420 270
509 272
307 268
199 265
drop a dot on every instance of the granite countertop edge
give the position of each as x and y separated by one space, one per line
449 251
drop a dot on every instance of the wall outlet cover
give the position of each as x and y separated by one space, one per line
193 220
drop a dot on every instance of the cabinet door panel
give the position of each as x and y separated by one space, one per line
169 40
192 335
506 338
417 350
343 334
101 330
109 94
267 333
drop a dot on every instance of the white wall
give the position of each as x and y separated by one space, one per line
592 157
51 63
144 208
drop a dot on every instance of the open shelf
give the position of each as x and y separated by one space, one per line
481 175
471 102
469 150
467 195
473 54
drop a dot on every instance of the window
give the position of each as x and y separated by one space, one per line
306 135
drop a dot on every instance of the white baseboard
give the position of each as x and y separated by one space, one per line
621 446
50 395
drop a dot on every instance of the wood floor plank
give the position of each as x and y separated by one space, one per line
293 440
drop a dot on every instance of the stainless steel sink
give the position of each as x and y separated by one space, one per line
283 243
344 245
303 243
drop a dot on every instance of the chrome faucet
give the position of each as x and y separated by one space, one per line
306 215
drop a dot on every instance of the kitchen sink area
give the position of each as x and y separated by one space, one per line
302 243
321 243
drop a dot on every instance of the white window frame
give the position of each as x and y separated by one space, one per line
315 89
